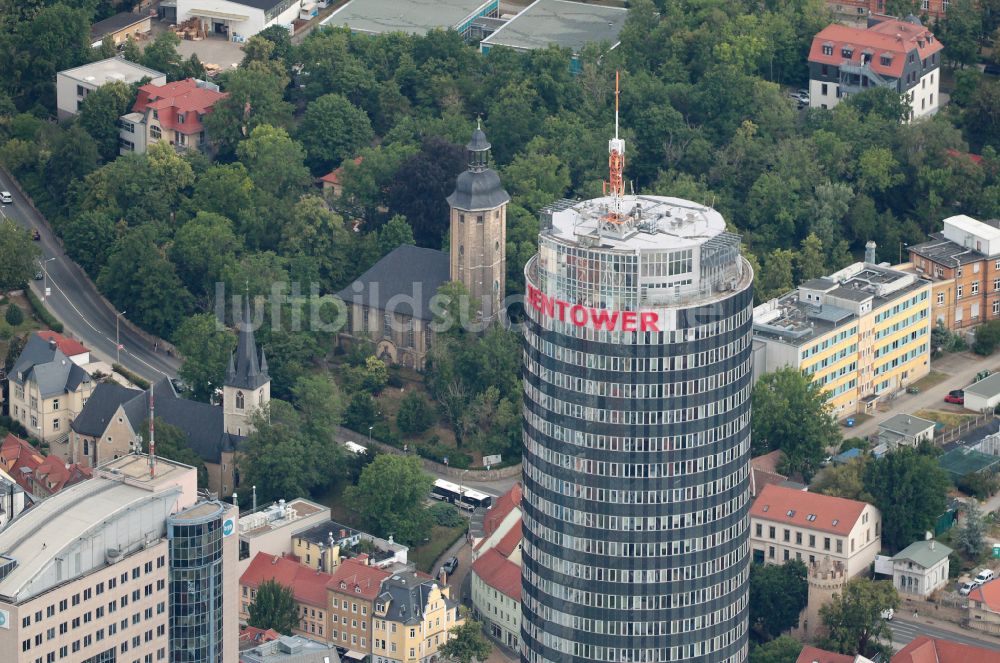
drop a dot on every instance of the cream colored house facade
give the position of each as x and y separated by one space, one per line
409 626
921 568
792 524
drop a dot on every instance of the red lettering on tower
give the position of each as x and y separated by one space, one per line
598 318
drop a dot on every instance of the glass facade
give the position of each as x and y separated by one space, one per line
637 445
196 601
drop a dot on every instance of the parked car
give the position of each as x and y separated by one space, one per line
35 235
967 587
449 566
912 390
956 396
800 96
6 198
888 614
984 576
38 276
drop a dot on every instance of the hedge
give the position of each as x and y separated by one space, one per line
140 382
43 313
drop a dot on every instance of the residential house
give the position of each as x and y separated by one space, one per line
412 619
173 112
111 422
924 649
307 585
963 264
47 390
495 577
764 471
270 529
862 333
984 608
792 524
921 568
73 85
119 28
325 545
351 595
903 56
72 348
906 430
290 649
331 182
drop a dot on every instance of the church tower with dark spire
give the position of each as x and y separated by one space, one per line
248 385
478 241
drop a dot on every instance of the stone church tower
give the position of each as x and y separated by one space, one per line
247 386
478 241
825 578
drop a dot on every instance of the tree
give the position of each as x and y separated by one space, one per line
987 338
810 262
536 180
421 186
162 54
375 375
202 249
415 414
206 347
846 480
99 114
778 593
274 607
74 155
776 274
322 407
910 489
390 496
446 515
18 255
854 618
13 315
314 232
961 29
466 643
971 536
278 455
981 118
256 97
274 161
784 649
333 129
172 444
791 413
361 412
87 237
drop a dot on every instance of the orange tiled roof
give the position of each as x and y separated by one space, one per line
499 573
510 541
988 594
357 578
308 585
817 655
896 38
333 177
501 507
768 462
823 513
923 649
179 97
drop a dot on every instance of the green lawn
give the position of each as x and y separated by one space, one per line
441 539
929 380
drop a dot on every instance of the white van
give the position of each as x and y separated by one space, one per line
984 576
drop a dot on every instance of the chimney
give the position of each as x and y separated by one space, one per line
52 344
932 544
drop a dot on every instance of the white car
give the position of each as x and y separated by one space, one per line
967 587
984 576
6 198
888 614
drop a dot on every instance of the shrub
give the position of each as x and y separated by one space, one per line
438 452
135 379
14 315
987 337
446 515
43 313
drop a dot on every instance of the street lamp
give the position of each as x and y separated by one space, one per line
118 345
370 428
45 275
901 245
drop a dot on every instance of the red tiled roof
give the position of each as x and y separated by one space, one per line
974 158
178 97
16 453
988 594
510 541
897 38
763 478
69 347
353 575
333 177
499 573
923 649
832 514
817 655
768 462
54 474
308 585
255 636
501 507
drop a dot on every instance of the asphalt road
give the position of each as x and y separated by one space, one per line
905 630
74 300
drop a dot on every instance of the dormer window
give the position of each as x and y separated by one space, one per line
357 590
180 118
847 52
343 585
886 60
827 49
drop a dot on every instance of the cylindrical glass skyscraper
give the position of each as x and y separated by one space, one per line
637 435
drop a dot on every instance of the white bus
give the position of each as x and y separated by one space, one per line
465 498
355 448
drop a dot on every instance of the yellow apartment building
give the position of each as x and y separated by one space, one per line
862 333
413 615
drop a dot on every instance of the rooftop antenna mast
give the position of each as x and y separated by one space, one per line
152 437
615 220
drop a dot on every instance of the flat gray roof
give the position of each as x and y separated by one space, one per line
411 16
113 69
988 386
566 24
906 424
